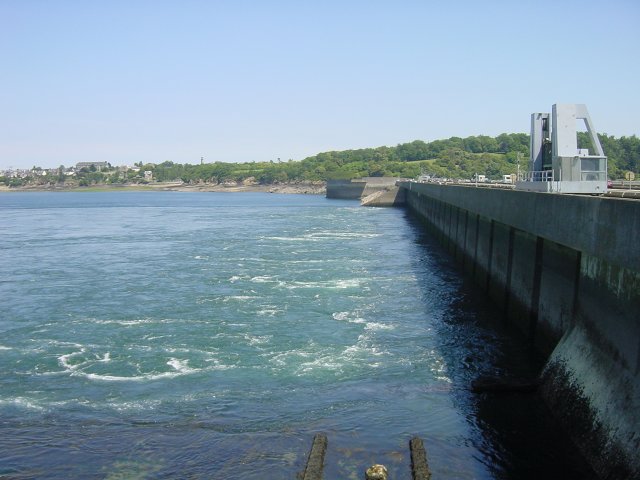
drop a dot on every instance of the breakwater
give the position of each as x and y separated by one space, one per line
371 191
566 270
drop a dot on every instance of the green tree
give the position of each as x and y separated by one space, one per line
61 174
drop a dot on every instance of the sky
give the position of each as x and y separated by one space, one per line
125 81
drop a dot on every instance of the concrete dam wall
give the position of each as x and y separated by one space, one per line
566 270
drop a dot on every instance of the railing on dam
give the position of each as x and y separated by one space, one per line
536 176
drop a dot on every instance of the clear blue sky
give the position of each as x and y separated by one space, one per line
133 80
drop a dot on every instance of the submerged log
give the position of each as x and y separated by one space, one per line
315 462
505 385
419 466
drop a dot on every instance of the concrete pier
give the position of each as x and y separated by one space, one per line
566 270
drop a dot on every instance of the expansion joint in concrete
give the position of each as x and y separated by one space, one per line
535 292
490 259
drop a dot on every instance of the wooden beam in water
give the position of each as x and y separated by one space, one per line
419 466
315 462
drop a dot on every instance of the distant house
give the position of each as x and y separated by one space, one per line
98 165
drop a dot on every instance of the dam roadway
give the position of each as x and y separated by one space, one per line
565 269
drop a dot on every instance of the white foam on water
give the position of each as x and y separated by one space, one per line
263 279
350 283
181 366
358 320
22 402
258 339
47 374
342 235
323 236
282 359
2 347
351 318
269 312
326 362
328 285
312 359
355 349
291 239
61 403
42 330
304 262
363 347
63 360
137 378
200 301
378 326
134 405
155 337
239 298
201 257
175 349
64 344
255 259
357 356
218 365
295 285
134 322
438 367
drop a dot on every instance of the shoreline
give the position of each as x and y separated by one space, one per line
308 188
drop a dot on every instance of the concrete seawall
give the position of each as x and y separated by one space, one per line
346 189
566 270
373 191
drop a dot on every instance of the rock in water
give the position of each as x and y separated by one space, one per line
376 472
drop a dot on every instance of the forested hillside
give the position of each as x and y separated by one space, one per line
452 158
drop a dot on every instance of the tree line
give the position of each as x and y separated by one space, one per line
450 158
623 153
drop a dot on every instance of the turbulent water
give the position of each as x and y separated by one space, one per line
210 335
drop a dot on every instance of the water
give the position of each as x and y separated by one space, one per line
210 335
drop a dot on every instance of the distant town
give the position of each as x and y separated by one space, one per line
82 174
